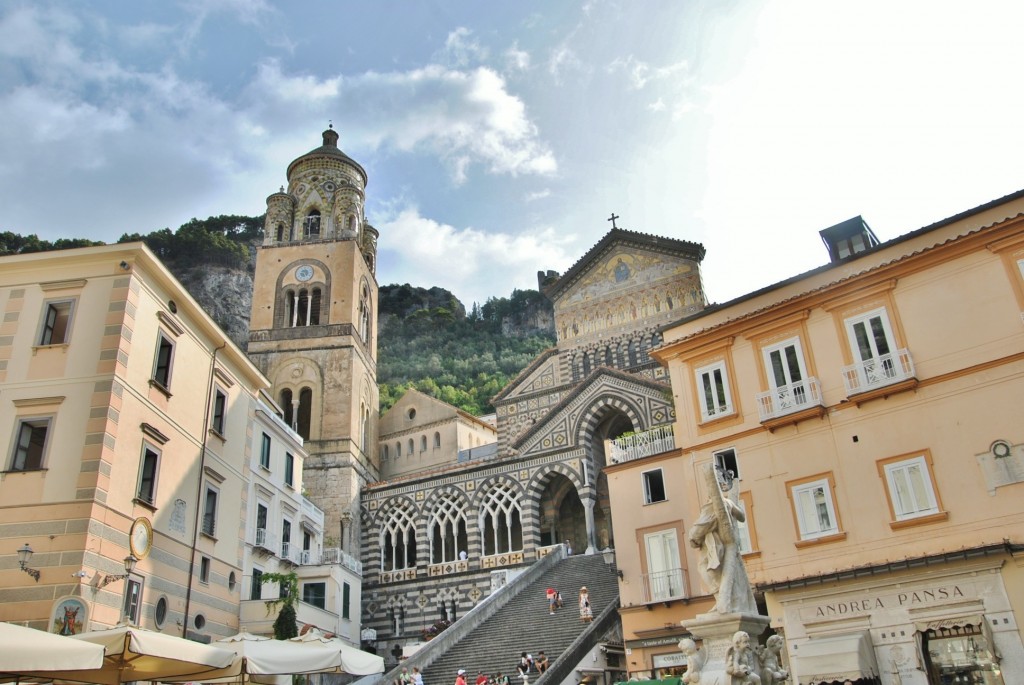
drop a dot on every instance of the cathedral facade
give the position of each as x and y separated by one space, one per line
437 541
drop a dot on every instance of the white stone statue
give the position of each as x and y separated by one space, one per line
721 566
741 662
772 672
694 661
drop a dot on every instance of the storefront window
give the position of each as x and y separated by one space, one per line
960 655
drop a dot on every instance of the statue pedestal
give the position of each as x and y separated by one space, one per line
717 630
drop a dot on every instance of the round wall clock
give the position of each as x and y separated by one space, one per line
140 537
304 273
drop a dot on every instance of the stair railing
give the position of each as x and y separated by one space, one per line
562 667
488 607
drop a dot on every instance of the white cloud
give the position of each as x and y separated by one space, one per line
657 106
472 263
516 59
563 59
641 73
461 49
537 195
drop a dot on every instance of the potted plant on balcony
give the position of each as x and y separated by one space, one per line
285 625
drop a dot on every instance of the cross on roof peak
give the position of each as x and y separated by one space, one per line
612 219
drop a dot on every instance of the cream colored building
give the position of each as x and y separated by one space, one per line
124 422
870 413
420 433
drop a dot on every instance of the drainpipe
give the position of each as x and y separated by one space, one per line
199 490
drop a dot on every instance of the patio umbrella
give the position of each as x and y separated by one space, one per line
354 661
27 649
260 659
135 654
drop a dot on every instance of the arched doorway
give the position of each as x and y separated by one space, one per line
611 424
561 514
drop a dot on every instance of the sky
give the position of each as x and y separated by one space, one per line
499 137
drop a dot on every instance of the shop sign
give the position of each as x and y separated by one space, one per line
669 660
655 641
867 603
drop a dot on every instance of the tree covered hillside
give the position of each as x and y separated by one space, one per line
463 360
426 339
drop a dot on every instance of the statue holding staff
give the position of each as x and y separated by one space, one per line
715 535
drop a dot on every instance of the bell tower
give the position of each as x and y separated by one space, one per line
314 325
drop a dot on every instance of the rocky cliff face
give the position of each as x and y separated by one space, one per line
225 294
536 319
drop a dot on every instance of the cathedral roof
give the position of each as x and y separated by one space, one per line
328 149
620 236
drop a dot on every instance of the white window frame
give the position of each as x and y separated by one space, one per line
720 458
810 528
721 401
662 571
204 569
645 477
787 372
900 470
44 325
865 319
32 422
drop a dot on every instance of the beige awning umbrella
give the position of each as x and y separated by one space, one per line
353 661
261 659
135 654
26 649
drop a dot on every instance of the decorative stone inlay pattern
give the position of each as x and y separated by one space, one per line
499 560
396 576
447 568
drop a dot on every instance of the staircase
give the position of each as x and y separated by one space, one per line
523 625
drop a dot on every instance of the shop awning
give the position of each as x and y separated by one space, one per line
834 659
950 623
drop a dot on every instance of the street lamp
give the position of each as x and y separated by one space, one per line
24 554
129 566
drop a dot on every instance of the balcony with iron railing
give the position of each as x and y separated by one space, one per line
639 445
665 586
265 541
883 371
290 552
789 399
333 555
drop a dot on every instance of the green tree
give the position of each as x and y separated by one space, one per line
286 623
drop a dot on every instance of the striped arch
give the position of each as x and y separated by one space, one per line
542 475
598 410
385 509
488 483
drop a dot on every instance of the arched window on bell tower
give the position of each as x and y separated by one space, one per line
364 314
311 224
302 304
287 408
305 412
314 307
280 233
